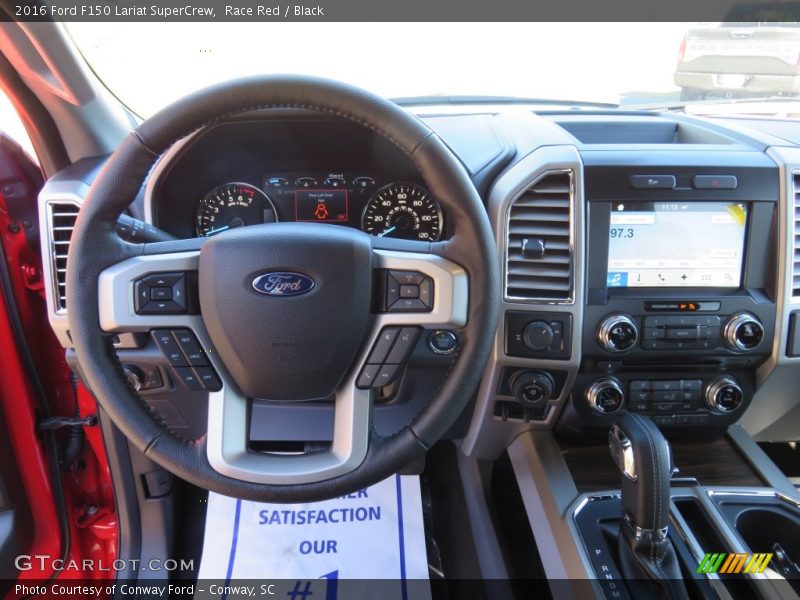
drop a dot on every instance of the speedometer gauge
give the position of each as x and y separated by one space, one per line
233 205
403 210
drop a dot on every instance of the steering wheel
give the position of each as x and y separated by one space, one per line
308 344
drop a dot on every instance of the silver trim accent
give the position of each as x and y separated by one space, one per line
227 409
489 435
594 391
640 532
434 349
572 234
622 452
714 388
604 332
55 192
733 324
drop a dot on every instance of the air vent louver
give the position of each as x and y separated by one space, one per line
539 259
796 265
62 222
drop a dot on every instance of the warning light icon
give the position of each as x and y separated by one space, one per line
321 212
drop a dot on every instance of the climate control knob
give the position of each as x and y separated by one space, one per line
618 333
605 396
724 395
742 332
532 388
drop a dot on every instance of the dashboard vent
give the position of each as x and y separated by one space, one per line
796 265
62 215
539 256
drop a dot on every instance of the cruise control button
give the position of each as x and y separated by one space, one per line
188 377
190 346
367 378
208 377
169 347
382 345
403 345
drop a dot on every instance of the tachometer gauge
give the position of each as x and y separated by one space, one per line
233 205
403 210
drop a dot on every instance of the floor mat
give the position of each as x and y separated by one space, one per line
367 543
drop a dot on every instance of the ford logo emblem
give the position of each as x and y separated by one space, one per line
283 284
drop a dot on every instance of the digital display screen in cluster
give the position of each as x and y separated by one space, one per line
676 244
322 206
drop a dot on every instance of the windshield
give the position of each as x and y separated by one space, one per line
657 64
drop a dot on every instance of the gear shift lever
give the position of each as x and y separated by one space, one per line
643 456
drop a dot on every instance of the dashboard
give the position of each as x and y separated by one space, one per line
245 173
648 261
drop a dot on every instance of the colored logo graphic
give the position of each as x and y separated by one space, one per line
722 562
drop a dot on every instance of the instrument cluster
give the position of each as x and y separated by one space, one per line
397 209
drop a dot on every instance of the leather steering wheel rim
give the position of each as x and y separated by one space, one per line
95 247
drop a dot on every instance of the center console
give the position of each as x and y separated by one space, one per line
680 308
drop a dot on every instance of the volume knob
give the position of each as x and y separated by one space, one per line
618 333
743 332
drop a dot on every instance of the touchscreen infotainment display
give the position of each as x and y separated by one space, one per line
676 244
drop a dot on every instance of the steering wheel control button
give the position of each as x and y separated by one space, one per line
169 347
442 341
208 378
386 375
189 378
367 378
382 345
408 291
405 342
190 347
160 294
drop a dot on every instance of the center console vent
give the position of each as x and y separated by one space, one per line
539 262
796 236
61 216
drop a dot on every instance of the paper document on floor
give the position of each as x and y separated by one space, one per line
368 542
